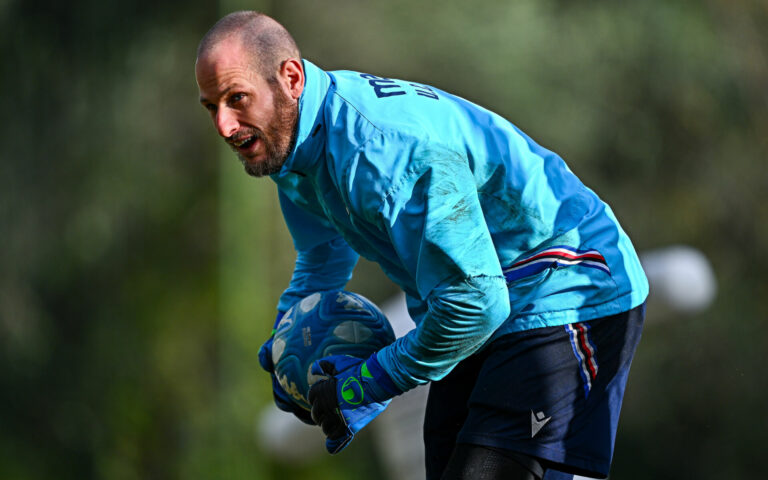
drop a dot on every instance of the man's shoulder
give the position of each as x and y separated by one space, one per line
385 103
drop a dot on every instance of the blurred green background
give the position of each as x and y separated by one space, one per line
139 267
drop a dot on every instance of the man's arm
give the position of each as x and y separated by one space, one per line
324 261
436 224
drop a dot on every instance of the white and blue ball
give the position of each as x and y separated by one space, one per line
320 325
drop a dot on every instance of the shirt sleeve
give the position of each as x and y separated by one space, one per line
433 218
324 261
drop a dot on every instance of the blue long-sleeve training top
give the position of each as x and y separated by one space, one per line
486 232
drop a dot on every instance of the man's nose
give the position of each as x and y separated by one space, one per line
226 123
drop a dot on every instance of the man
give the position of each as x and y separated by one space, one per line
527 294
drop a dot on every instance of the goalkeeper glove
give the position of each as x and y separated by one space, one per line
283 401
353 392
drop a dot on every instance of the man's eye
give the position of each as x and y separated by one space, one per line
210 107
236 97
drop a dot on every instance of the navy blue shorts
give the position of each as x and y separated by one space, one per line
552 393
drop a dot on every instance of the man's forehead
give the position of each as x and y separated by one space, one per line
225 54
223 66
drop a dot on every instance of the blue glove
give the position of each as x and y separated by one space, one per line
282 399
353 393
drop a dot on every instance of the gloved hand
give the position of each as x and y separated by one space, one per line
354 393
282 399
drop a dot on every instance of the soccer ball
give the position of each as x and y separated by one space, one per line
320 325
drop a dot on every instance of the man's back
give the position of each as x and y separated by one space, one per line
388 141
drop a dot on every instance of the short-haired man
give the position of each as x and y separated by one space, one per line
527 294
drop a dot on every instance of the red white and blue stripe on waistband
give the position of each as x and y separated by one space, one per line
584 350
555 257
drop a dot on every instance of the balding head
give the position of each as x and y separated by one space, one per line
267 42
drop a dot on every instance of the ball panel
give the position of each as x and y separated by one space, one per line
278 347
285 323
296 389
308 303
312 378
350 302
352 331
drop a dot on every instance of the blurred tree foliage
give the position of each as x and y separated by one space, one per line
112 288
108 266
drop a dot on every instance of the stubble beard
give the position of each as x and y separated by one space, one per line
279 138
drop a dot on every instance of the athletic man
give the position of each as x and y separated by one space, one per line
527 294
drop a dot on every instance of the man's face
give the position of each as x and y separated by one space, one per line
253 115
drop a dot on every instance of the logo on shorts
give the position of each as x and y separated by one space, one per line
538 420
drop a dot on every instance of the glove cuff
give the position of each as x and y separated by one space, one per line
373 369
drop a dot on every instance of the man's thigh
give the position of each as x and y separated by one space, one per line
555 393
551 393
447 409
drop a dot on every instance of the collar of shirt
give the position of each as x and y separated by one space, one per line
309 141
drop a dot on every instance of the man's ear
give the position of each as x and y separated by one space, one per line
292 77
